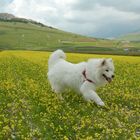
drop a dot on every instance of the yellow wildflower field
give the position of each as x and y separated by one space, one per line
30 110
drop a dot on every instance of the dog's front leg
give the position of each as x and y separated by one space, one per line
89 94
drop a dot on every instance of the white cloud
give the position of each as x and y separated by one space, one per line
106 18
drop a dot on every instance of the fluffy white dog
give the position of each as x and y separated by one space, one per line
83 77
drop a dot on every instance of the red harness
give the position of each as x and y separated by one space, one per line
86 79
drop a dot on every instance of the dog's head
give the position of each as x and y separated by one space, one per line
101 69
107 70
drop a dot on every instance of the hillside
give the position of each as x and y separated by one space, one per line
135 36
25 34
20 35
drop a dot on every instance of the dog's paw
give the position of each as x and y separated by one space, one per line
101 103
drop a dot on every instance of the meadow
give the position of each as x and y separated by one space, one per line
30 110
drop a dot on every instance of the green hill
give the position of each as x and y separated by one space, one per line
131 40
23 34
20 35
131 37
16 35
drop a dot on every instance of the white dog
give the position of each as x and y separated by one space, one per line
83 77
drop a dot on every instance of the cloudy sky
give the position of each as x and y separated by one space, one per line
98 18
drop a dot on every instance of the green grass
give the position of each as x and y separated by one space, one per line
30 110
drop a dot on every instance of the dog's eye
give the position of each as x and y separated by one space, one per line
107 70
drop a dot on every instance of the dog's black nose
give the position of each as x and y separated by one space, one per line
113 76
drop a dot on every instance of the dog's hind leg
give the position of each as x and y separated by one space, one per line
59 95
58 90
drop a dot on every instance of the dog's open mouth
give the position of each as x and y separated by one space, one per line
107 78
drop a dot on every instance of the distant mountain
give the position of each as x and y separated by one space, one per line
134 36
6 16
10 17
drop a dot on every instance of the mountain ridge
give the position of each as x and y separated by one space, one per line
11 17
6 16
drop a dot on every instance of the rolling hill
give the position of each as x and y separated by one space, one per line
135 36
25 34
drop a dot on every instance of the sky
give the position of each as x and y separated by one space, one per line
97 18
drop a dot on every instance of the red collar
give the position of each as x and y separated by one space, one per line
86 79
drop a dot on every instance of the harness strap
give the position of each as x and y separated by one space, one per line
84 74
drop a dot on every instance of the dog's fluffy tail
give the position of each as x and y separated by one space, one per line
55 57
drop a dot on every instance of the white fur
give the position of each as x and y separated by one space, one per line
64 75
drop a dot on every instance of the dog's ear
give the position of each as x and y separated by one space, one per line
103 62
